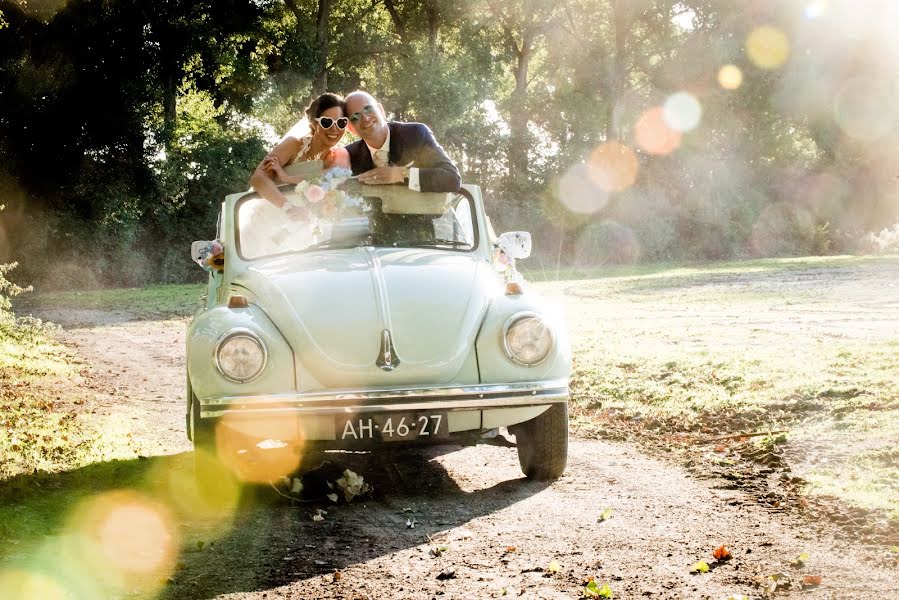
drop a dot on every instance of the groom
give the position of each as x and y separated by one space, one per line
393 152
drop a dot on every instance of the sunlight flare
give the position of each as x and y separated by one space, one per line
578 192
730 77
26 585
653 134
767 47
613 166
125 540
239 447
682 111
865 109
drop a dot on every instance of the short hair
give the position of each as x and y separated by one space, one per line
323 103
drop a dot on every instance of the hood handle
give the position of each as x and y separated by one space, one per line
387 358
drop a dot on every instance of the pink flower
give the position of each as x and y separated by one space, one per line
315 193
328 209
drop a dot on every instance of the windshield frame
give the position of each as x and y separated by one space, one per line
235 229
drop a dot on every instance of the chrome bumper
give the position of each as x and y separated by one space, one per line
468 397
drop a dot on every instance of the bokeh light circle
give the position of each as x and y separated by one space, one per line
865 109
126 539
730 77
26 585
653 135
578 192
682 111
136 538
613 166
767 47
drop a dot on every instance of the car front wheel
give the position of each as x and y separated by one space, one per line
215 482
543 444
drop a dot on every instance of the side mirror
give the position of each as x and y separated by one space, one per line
516 244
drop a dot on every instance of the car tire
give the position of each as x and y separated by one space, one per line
543 444
213 479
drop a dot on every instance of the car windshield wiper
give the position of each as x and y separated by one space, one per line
430 243
337 244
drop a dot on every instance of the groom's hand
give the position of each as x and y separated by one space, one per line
382 175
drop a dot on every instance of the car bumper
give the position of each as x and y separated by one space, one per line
313 416
404 399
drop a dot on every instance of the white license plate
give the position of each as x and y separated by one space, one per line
397 427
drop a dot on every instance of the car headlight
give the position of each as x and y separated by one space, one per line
240 356
527 339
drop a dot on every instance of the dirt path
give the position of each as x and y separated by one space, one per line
500 532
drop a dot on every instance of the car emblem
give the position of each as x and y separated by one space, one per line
387 358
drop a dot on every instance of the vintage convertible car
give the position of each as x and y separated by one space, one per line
376 317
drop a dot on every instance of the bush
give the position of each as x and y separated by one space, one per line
885 242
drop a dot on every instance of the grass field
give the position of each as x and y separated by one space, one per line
810 346
153 302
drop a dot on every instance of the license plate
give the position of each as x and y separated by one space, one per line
395 427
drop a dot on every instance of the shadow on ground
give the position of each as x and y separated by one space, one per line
268 540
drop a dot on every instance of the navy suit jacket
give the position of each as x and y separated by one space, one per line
412 143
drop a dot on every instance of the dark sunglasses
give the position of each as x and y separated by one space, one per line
367 110
327 122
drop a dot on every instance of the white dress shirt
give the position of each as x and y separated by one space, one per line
380 157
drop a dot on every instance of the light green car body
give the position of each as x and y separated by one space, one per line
322 314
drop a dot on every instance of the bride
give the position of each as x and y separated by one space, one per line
311 139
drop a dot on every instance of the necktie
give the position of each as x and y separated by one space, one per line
381 158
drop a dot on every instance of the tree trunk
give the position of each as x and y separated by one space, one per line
169 106
619 22
433 13
397 21
320 83
519 136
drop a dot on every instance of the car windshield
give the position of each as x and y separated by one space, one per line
352 215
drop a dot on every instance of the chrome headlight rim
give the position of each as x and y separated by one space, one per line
518 317
230 335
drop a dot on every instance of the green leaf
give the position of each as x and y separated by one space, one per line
700 567
894 549
593 590
800 560
605 515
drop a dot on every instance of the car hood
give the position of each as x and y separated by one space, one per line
334 307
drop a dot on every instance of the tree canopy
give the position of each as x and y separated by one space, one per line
615 130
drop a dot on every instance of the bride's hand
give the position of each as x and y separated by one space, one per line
298 213
273 167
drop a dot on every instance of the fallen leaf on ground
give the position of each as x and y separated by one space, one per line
894 549
721 553
332 497
605 515
438 551
410 523
510 549
553 567
776 582
594 590
811 580
700 567
297 486
800 560
319 515
337 575
352 485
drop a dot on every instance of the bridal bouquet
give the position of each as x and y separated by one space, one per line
319 199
